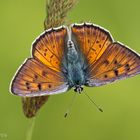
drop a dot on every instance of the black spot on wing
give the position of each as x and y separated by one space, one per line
49 86
127 67
116 72
44 73
27 85
39 87
106 62
36 77
105 76
115 62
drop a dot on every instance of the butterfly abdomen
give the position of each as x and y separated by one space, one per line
75 73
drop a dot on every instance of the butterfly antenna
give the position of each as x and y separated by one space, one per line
100 109
70 105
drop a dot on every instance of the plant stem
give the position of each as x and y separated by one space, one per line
30 129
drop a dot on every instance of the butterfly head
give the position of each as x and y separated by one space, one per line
78 88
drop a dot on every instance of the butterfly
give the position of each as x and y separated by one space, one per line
65 58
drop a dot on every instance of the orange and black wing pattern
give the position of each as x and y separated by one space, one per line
35 79
49 48
117 62
41 75
106 61
91 40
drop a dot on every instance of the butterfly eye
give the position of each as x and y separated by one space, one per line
78 89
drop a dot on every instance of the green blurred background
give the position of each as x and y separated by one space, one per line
20 23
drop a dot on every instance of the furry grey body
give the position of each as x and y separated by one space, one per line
74 67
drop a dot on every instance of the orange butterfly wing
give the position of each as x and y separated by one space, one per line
41 75
35 79
91 40
49 48
106 61
117 62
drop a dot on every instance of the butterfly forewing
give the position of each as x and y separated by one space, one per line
117 62
91 40
49 48
35 79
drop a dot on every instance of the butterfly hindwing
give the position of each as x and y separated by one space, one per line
117 62
35 79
